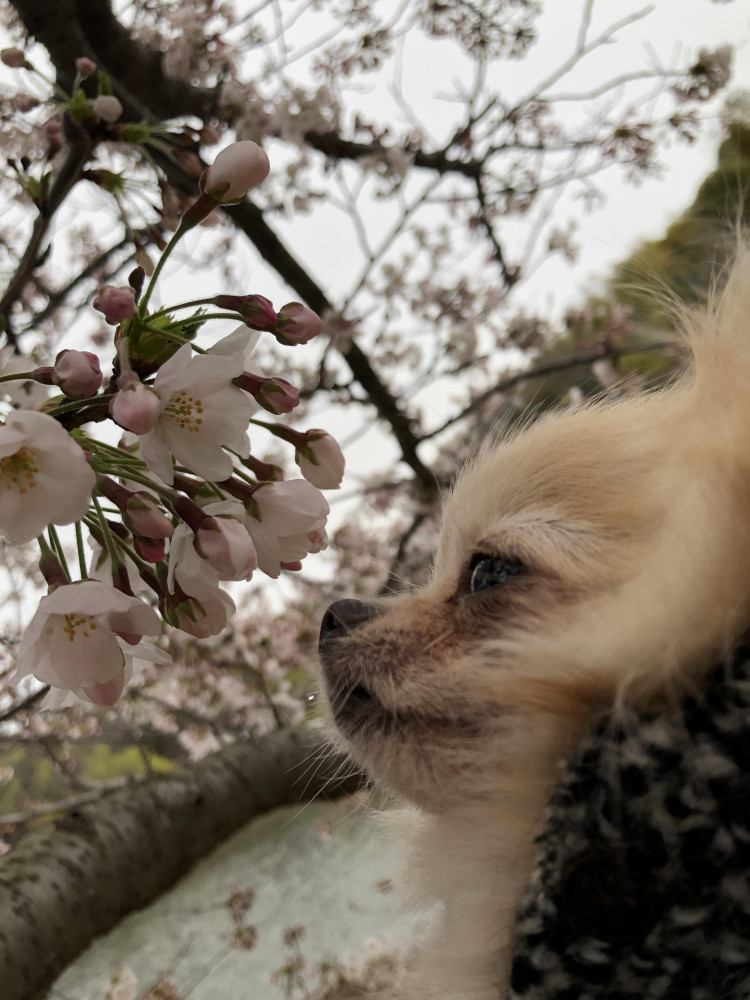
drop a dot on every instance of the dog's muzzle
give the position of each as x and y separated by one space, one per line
342 618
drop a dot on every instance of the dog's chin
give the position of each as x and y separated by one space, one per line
431 760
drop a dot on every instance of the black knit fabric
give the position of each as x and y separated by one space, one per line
642 884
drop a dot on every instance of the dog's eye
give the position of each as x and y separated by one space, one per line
486 572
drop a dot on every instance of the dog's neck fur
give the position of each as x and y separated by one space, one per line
475 861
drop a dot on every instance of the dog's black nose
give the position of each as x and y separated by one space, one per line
344 616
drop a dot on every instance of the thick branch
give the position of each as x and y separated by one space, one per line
64 885
72 28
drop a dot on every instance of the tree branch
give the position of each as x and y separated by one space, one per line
70 882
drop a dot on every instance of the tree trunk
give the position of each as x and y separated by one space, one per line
69 882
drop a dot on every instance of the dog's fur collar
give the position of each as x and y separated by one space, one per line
641 884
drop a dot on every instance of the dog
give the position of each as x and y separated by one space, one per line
599 556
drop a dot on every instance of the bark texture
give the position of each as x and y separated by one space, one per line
67 883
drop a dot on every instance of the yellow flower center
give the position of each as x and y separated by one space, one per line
185 411
77 626
18 471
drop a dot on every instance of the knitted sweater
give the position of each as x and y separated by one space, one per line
641 889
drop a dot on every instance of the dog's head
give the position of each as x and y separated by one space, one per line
597 554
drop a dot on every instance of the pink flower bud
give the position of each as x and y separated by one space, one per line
237 169
225 543
136 408
145 517
13 58
200 618
321 460
117 304
297 324
107 108
150 549
274 394
85 66
256 310
78 373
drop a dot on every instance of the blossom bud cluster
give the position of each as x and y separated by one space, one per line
181 506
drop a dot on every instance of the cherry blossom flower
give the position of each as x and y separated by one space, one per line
78 373
80 637
290 516
44 476
200 410
236 169
117 304
220 549
321 460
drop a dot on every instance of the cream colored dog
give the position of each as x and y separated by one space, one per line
598 555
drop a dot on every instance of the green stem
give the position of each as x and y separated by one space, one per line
80 404
180 305
202 319
58 549
81 552
169 334
120 542
18 375
109 538
123 354
179 233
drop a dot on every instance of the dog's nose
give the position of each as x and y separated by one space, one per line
344 616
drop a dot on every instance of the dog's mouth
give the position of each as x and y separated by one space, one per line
358 710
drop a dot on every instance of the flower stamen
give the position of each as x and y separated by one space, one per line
18 471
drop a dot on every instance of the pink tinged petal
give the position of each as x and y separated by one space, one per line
117 304
207 460
292 506
297 324
11 439
156 454
172 372
44 480
227 546
78 373
107 692
321 460
132 638
240 341
196 576
295 566
82 650
237 168
210 373
206 617
136 408
145 517
267 547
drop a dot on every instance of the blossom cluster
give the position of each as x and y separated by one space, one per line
180 505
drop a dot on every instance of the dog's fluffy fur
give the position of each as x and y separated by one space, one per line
614 550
